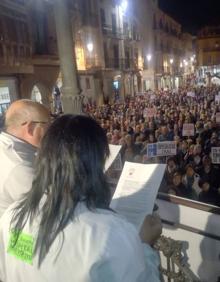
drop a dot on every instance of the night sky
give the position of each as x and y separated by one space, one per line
192 14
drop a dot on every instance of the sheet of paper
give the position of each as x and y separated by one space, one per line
136 191
114 150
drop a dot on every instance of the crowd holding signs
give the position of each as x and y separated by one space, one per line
180 127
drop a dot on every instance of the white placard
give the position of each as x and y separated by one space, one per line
136 191
167 148
215 155
188 129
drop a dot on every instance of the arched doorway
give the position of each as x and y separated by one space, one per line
41 94
36 95
56 96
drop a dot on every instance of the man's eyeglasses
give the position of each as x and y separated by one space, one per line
36 121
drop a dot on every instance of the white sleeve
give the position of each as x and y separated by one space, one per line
3 225
126 259
18 182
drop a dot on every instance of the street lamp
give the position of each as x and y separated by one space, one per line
124 5
171 61
90 47
181 64
149 57
192 59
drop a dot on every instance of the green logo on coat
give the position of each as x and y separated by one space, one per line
22 246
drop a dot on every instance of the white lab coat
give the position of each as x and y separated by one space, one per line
16 169
97 246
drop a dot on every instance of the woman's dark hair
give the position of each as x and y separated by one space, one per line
69 169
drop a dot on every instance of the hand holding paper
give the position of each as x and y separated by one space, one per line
151 229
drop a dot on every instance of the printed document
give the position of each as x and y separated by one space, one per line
136 191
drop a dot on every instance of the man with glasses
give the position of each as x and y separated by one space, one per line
25 125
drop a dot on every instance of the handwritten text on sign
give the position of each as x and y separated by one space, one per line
161 149
166 149
216 155
188 129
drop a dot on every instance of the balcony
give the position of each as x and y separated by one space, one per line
121 64
172 71
110 31
92 63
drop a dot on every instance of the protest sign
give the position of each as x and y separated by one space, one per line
188 129
215 155
167 148
152 150
161 149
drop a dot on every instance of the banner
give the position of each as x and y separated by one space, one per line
188 129
215 155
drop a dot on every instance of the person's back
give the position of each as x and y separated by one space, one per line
18 145
16 162
95 246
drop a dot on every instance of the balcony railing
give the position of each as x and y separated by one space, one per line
111 31
118 33
121 64
13 54
92 63
174 70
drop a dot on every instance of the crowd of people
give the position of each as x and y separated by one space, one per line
191 172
